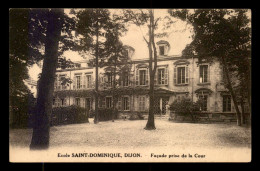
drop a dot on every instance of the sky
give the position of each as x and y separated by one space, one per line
178 37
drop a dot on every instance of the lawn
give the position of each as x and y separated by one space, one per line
220 141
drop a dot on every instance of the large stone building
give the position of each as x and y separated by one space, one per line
176 77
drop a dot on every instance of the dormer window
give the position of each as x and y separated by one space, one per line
129 51
161 49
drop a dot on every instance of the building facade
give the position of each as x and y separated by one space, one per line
176 77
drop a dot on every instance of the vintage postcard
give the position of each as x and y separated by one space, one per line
130 85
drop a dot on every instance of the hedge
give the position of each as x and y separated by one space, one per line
105 114
68 115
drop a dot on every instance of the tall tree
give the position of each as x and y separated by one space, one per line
21 52
117 58
223 35
91 27
146 18
40 137
29 39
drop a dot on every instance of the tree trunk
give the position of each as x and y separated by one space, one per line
150 123
230 88
96 119
243 119
41 127
87 112
113 93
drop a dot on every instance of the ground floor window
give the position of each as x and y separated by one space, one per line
88 103
63 102
126 103
56 102
77 101
141 103
204 102
226 103
108 102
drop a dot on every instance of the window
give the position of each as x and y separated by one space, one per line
77 100
62 78
141 103
78 85
108 102
204 74
88 103
109 79
89 81
62 102
56 102
125 79
226 103
142 77
77 65
126 103
162 74
161 49
181 75
204 102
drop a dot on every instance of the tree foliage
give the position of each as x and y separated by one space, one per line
223 35
27 36
146 18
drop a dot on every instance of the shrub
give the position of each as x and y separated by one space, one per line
185 107
68 115
136 116
105 114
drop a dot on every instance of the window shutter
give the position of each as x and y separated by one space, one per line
137 77
74 101
187 74
147 103
92 81
84 81
166 76
201 74
139 103
65 102
81 82
105 81
156 76
103 103
82 101
74 82
58 82
175 75
119 103
65 86
147 77
128 103
208 73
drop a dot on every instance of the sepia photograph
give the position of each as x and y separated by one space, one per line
129 85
